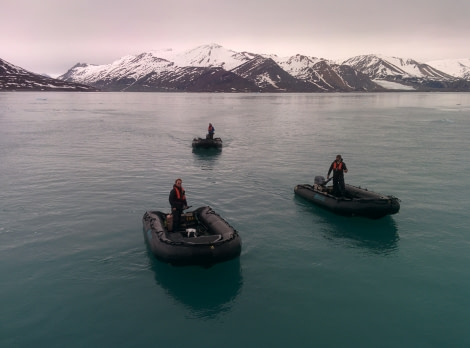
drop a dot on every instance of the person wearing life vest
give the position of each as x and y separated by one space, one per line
178 203
210 131
338 167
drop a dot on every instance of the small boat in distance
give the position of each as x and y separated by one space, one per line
204 238
357 201
200 143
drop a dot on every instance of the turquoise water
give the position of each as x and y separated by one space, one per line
78 171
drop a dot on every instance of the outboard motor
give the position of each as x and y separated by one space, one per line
319 180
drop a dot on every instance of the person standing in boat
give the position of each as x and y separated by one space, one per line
210 131
338 167
178 203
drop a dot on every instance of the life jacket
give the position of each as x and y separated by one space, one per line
210 129
337 166
179 195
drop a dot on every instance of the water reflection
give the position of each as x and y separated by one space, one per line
377 236
206 292
206 158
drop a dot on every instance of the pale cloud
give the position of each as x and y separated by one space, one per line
52 35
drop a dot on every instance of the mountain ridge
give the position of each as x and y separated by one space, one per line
213 68
14 78
263 72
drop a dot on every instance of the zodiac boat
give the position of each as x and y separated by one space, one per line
200 143
204 238
356 201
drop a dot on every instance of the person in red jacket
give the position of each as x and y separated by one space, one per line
210 131
178 203
338 167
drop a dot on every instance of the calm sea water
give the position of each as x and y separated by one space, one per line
78 171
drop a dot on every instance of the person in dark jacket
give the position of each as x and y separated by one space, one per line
210 131
178 203
338 167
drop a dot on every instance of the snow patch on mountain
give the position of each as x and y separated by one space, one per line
393 85
454 67
212 55
298 65
408 65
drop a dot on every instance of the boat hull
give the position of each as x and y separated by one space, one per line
200 143
204 239
356 202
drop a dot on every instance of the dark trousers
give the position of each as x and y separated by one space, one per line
176 219
339 188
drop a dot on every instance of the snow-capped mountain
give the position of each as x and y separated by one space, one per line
213 68
268 76
325 74
459 68
14 78
383 67
207 56
407 73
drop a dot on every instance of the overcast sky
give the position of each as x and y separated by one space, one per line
50 36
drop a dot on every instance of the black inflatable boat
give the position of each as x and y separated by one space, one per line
204 238
356 201
200 143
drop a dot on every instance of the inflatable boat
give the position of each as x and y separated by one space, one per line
200 143
356 201
203 238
